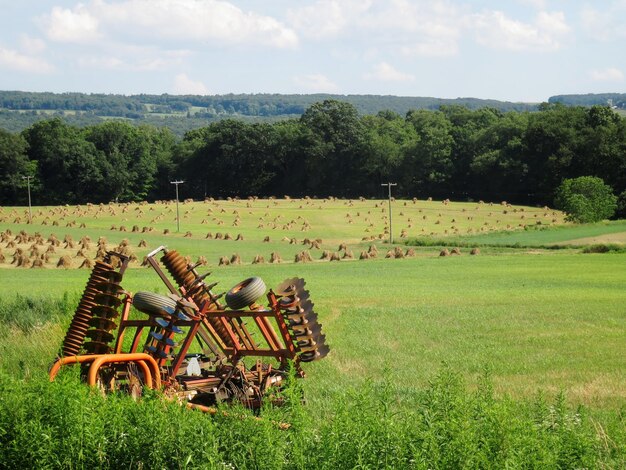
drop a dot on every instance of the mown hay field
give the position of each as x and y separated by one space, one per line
540 323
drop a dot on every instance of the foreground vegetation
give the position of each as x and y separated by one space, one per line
65 425
509 359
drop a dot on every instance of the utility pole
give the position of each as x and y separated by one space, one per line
177 213
389 185
30 213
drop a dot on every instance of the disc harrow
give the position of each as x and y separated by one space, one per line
102 275
188 342
305 330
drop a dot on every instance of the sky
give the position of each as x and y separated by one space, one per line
512 50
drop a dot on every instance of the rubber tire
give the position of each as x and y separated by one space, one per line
154 304
245 293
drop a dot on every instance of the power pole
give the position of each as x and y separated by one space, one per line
177 213
389 185
30 213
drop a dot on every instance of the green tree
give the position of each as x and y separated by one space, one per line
333 140
585 199
428 163
68 166
14 165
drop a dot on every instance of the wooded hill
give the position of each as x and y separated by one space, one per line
181 113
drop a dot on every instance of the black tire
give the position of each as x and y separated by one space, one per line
245 293
154 304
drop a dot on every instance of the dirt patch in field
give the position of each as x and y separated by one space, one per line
617 238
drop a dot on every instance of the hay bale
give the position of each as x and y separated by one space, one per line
456 251
266 239
348 255
142 244
101 253
224 261
239 238
135 228
81 254
38 263
2 257
364 255
145 263
23 261
275 258
64 262
166 231
343 247
122 228
315 244
398 252
235 259
219 236
209 236
410 253
86 264
187 234
227 236
326 255
444 252
475 251
303 257
258 259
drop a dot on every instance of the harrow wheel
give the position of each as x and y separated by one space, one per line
245 293
154 304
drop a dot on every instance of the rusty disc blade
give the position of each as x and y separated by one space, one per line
104 311
100 335
102 323
108 300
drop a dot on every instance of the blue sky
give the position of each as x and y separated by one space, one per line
516 50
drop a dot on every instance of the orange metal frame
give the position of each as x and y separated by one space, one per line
147 363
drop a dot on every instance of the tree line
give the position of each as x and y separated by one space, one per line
453 152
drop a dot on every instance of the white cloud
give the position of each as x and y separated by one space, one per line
183 85
610 74
77 25
316 83
387 73
326 18
495 30
13 60
193 20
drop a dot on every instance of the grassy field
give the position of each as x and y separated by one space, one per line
269 226
421 333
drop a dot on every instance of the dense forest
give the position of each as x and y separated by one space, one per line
453 152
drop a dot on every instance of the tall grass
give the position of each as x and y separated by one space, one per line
26 313
66 425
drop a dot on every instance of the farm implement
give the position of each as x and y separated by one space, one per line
189 343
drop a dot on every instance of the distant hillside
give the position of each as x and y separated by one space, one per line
618 100
19 109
